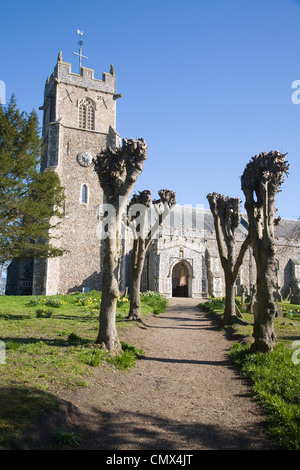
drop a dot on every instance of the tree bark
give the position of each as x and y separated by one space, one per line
117 170
229 312
261 180
107 334
266 305
226 214
163 206
137 259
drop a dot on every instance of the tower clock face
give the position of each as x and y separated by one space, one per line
84 158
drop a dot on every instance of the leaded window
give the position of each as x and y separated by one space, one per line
87 114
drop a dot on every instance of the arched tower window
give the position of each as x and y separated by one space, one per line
87 114
84 194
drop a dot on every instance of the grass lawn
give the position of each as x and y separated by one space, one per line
275 376
48 343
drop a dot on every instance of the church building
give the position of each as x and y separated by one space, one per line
79 119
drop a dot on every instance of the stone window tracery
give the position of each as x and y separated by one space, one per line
87 114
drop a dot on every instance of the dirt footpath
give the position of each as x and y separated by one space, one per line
184 395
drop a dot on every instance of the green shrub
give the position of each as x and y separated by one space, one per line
51 302
66 438
44 313
56 303
212 305
38 301
289 312
155 301
92 303
128 358
94 357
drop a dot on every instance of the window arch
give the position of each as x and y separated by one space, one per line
86 114
84 194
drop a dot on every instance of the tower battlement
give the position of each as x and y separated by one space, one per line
85 79
80 102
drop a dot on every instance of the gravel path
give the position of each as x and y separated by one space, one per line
184 395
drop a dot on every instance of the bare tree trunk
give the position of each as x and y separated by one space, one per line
261 181
266 304
138 259
163 206
107 335
117 170
226 214
229 312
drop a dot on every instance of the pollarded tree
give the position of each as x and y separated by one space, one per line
117 170
138 217
261 181
226 214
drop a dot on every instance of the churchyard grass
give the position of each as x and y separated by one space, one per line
46 352
275 376
155 301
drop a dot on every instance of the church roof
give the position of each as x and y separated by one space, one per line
199 218
289 229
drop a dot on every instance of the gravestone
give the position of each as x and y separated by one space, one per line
295 297
277 294
279 312
242 290
250 308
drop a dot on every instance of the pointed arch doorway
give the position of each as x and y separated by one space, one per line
182 279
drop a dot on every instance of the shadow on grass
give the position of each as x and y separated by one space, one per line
56 316
229 329
19 406
13 343
81 318
13 316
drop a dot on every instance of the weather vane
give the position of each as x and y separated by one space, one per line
80 43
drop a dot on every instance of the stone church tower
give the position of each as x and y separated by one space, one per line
79 118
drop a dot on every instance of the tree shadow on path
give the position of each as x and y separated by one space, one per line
134 430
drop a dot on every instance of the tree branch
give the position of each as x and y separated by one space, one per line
245 245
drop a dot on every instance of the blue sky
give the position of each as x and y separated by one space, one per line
207 83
